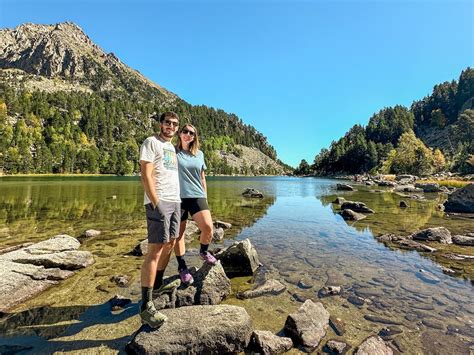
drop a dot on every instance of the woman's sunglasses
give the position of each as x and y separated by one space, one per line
187 131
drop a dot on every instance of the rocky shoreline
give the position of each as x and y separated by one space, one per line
228 328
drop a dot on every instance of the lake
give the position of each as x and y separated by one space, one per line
301 241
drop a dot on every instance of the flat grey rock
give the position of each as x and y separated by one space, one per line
218 329
269 288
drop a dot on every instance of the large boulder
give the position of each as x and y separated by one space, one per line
438 234
350 215
308 325
373 345
270 287
461 200
240 259
210 286
218 329
356 207
57 252
31 269
267 343
344 187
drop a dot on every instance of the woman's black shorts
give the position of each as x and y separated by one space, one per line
190 206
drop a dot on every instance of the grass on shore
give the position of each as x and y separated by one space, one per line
447 182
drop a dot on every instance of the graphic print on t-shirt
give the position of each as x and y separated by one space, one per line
169 159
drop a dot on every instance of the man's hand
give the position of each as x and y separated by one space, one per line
148 181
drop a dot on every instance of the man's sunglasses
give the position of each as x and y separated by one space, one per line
169 123
186 131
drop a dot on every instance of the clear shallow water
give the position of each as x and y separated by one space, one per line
296 232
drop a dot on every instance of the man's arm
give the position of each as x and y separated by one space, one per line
148 181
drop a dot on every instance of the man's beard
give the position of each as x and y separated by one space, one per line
167 135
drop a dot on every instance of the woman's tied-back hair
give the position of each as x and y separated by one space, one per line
194 145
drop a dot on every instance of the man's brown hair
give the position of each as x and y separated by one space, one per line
168 114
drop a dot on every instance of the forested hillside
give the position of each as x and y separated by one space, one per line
435 134
68 107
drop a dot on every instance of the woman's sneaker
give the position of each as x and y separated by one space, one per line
186 277
208 258
151 316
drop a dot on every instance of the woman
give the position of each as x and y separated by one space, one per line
192 182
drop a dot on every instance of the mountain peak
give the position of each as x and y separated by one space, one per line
64 51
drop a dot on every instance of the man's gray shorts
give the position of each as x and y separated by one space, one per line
163 221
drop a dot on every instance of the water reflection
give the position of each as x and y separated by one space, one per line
300 238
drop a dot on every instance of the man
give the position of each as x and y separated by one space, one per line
159 175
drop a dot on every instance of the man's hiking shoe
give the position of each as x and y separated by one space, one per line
186 277
169 287
208 258
151 316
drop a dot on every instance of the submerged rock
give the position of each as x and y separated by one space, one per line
265 342
373 345
249 192
464 239
270 287
308 325
329 291
219 329
344 187
356 207
378 319
403 204
240 259
337 325
121 280
350 215
427 276
462 200
439 234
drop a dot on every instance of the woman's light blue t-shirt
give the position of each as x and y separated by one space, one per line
189 170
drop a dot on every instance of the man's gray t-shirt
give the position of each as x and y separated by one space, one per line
163 156
190 169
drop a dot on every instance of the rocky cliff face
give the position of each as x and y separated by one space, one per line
252 161
64 52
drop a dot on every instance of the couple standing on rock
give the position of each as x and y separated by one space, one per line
175 186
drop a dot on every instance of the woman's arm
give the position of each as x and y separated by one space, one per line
203 181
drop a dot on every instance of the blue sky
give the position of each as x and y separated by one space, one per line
301 72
